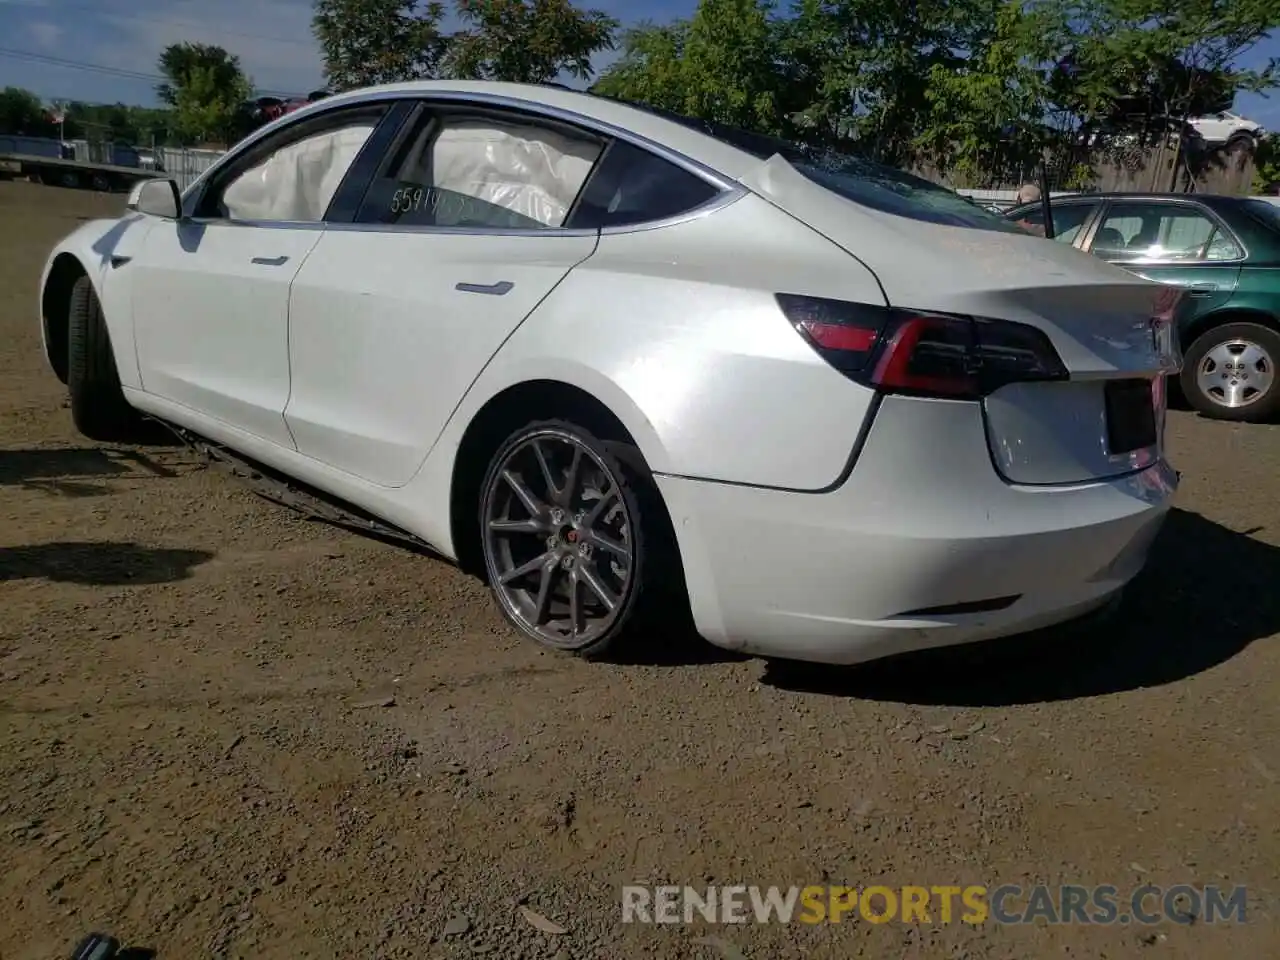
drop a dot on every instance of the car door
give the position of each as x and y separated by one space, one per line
1172 241
211 290
458 238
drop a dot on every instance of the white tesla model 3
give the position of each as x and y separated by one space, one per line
621 363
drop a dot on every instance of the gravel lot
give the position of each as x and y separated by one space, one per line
228 732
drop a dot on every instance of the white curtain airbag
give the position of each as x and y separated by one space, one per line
530 171
298 181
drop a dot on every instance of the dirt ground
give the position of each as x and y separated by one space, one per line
229 732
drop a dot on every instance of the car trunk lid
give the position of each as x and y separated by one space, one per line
1108 326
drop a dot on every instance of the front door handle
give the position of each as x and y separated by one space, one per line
270 261
501 288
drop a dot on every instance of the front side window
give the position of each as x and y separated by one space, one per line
1136 231
481 172
292 178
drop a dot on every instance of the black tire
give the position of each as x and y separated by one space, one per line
1264 405
1241 141
653 586
98 407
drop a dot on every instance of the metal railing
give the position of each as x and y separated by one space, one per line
184 165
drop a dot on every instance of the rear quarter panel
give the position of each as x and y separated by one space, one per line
676 329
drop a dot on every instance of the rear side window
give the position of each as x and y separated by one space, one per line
483 173
1161 232
633 186
1068 218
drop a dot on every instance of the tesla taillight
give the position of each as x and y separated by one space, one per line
924 354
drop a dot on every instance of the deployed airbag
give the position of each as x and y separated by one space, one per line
298 181
530 171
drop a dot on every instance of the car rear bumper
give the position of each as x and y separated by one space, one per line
924 545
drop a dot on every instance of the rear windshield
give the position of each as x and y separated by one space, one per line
862 181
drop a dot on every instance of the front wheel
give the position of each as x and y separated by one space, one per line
573 537
1229 372
98 407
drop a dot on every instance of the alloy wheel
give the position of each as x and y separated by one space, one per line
558 539
1235 373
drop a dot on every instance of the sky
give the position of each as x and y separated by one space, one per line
42 41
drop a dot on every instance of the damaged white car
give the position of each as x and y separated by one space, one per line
623 364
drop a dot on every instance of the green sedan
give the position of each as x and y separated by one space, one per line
1225 252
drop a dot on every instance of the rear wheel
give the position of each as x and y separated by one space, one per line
574 538
1229 372
98 407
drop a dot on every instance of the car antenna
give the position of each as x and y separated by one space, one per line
1045 208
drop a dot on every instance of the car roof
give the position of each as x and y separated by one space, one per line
677 134
1208 199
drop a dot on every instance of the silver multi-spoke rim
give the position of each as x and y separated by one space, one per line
558 540
1236 373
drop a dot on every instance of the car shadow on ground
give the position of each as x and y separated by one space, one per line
99 564
1206 594
72 472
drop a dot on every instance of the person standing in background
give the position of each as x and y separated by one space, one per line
1029 193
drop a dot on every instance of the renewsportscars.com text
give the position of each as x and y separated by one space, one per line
973 904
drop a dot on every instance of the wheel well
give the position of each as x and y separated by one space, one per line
55 310
1204 324
496 420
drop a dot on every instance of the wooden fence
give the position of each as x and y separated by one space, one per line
1159 168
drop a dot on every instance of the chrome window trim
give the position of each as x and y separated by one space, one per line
728 190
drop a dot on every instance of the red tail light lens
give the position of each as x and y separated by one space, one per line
903 351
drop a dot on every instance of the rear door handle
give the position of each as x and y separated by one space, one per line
501 288
270 261
1202 289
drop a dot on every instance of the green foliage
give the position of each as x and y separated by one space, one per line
1125 64
1266 172
526 41
367 42
723 64
971 108
206 88
22 112
650 68
965 84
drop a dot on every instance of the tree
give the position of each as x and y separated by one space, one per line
206 88
1266 176
868 66
21 112
723 64
651 67
1147 64
990 111
367 42
527 41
